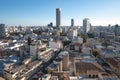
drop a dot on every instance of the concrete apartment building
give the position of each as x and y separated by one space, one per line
22 72
61 63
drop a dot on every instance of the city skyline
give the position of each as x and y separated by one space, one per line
42 12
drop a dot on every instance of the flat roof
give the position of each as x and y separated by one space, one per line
2 78
52 66
17 69
33 63
24 67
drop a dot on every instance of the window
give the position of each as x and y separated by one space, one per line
93 76
96 76
89 76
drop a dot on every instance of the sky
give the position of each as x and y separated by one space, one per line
42 12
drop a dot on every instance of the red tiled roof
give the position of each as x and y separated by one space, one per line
84 67
105 74
112 62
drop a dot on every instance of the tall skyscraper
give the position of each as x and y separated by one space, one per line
86 25
2 30
58 17
91 28
72 22
117 30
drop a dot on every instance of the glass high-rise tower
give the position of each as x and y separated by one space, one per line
58 17
2 30
72 22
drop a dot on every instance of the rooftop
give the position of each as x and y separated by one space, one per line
84 67
52 66
24 70
17 69
54 78
73 78
2 78
112 62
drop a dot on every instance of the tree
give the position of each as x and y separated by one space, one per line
29 40
85 37
14 33
66 43
91 35
62 34
79 34
95 53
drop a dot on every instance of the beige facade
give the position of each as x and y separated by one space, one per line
22 72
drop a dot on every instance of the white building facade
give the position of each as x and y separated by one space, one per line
86 25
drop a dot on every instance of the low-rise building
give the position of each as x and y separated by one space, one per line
76 44
61 63
114 64
46 55
106 76
72 33
22 72
56 44
2 78
89 69
41 51
46 77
